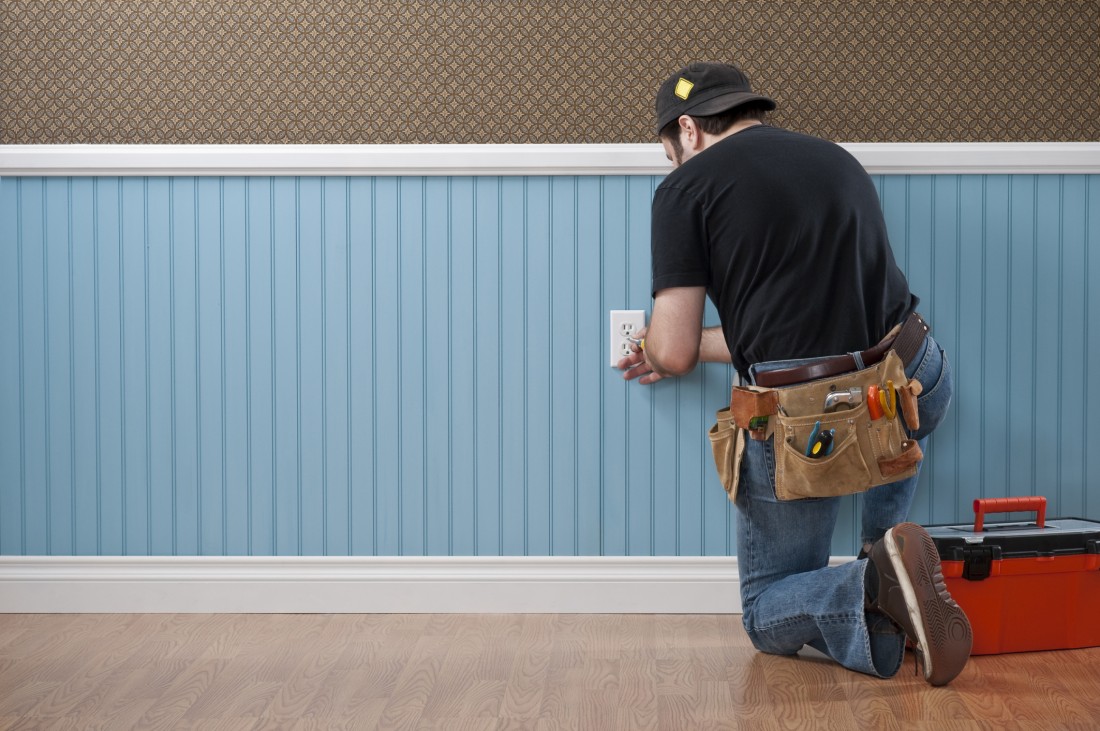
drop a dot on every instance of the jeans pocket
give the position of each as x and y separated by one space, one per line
935 398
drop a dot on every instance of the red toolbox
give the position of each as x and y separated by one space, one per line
1024 586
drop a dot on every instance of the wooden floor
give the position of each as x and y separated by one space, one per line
460 672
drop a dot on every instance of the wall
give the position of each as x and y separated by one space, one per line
502 71
417 365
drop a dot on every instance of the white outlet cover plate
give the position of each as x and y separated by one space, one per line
623 323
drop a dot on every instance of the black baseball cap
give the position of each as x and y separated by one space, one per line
701 89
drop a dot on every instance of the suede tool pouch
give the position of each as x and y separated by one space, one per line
869 445
727 443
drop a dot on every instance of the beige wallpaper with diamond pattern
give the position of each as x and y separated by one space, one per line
333 71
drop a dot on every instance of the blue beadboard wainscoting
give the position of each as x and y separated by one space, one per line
417 365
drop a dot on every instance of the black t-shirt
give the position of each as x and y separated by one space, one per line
786 233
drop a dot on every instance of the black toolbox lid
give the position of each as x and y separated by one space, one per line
1058 537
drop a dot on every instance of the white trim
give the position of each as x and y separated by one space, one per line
610 159
332 160
49 584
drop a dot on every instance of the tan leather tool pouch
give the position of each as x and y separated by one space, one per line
865 452
727 442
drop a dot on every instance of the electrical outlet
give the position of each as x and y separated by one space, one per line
624 324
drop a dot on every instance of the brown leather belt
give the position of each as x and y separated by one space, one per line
905 339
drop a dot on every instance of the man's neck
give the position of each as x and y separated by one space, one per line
737 127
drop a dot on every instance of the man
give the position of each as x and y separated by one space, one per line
784 232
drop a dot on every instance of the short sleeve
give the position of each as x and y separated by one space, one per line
678 240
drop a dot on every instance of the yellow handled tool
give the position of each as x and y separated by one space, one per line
888 399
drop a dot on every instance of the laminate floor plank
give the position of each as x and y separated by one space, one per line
414 686
638 706
529 675
500 672
85 686
171 706
307 680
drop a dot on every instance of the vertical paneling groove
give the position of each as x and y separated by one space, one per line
476 452
1086 392
374 362
1087 322
526 349
250 545
576 370
1036 243
324 374
148 368
984 354
425 350
222 360
1058 335
399 299
1009 340
196 292
603 391
98 372
347 385
500 364
22 371
628 420
274 378
122 368
298 359
449 299
651 471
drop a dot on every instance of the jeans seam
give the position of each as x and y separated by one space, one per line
819 620
926 355
925 396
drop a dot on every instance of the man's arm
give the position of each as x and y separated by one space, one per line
675 339
713 348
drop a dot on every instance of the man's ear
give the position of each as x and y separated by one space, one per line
693 136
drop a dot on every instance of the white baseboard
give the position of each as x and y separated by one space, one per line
368 584
215 584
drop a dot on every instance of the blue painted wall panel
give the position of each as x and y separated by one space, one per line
33 344
1072 320
1090 395
514 373
417 366
86 435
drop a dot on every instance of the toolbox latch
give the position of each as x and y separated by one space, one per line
978 562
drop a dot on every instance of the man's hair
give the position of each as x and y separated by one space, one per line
714 124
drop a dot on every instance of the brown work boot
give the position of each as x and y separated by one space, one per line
912 592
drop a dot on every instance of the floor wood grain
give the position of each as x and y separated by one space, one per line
493 673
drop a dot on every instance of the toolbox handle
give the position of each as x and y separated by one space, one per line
1008 505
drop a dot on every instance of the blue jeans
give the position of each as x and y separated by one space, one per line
790 595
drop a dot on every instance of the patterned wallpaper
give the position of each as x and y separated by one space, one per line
499 71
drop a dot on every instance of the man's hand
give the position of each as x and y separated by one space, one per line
636 367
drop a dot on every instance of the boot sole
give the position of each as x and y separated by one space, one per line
931 609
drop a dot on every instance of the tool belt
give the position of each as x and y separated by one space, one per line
833 435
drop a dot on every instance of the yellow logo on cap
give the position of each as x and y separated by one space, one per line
683 88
